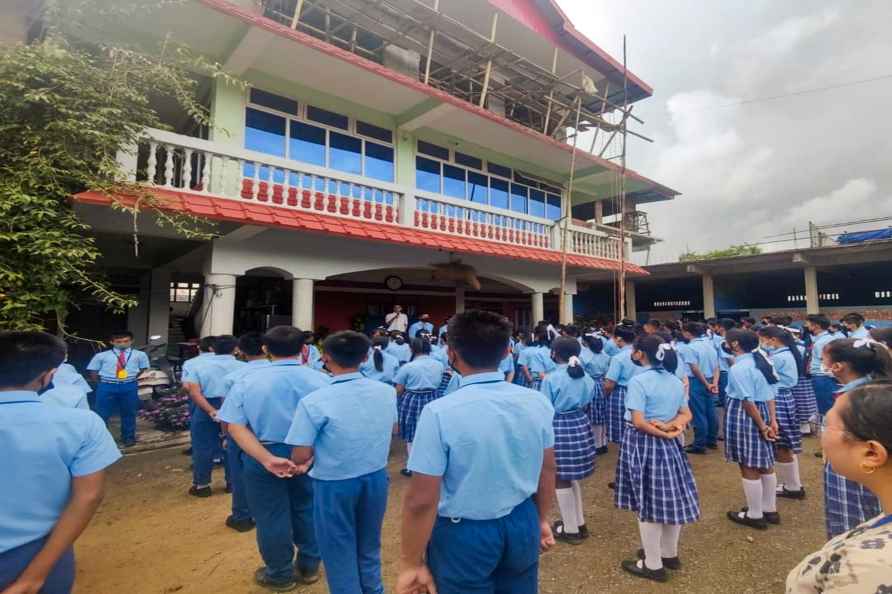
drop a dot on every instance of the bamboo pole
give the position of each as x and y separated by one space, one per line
568 211
488 72
622 193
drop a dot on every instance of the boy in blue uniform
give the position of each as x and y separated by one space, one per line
117 371
477 509
345 428
423 326
51 472
702 364
207 388
259 409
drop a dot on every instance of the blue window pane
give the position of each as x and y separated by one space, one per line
537 203
553 211
433 150
477 187
518 198
427 175
264 132
499 170
378 161
307 143
454 182
323 116
498 193
373 131
345 153
272 101
468 160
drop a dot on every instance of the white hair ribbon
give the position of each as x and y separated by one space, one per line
377 347
661 350
574 361
867 343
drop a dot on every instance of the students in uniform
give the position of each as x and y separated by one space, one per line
726 359
380 365
52 468
344 431
423 325
570 392
854 323
853 362
619 372
535 360
259 410
66 395
596 367
309 353
702 367
751 428
477 508
399 348
205 352
824 384
68 375
788 365
804 391
117 371
653 476
416 385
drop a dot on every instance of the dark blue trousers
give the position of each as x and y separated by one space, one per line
283 512
706 425
14 561
348 515
240 509
487 556
123 399
205 444
825 388
723 388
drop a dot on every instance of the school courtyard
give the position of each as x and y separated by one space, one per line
149 537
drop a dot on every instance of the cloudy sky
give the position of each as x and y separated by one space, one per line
749 168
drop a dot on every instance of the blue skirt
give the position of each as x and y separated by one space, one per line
804 397
846 504
597 411
574 445
413 403
655 480
444 383
744 443
789 435
616 410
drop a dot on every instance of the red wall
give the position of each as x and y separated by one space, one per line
336 310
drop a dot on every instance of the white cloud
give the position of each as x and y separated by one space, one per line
854 199
789 33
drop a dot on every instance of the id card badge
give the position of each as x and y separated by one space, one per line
122 374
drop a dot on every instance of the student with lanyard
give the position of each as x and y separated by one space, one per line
477 508
701 362
619 372
259 409
343 430
857 441
117 371
52 469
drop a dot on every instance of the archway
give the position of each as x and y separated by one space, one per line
262 299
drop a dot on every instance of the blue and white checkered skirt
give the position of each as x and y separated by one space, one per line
616 410
574 445
444 383
804 397
789 436
846 504
413 402
597 411
655 480
744 443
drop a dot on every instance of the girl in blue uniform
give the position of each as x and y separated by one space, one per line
804 391
852 362
751 428
416 384
619 372
536 360
596 367
788 366
380 364
653 476
570 391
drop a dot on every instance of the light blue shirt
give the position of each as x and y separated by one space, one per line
487 441
402 352
348 424
314 359
507 364
540 361
566 393
746 382
443 329
189 365
621 369
657 394
817 351
523 357
419 326
66 395
389 365
454 383
66 374
702 353
43 447
853 384
861 332
238 373
106 363
440 353
211 375
265 398
610 347
785 367
597 365
724 358
422 374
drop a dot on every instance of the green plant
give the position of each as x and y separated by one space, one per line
729 252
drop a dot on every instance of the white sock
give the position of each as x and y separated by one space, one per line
651 535
567 504
408 450
669 541
753 492
794 482
600 432
782 469
805 428
577 492
769 493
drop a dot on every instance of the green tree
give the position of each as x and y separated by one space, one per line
67 107
729 252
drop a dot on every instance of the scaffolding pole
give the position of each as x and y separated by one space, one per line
622 192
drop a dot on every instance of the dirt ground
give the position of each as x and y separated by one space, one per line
149 537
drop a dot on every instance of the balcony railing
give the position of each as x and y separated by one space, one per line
182 163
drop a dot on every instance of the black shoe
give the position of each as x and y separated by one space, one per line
245 525
693 450
712 446
307 576
668 562
741 518
187 452
583 530
819 455
557 529
199 491
129 443
406 472
638 569
770 517
787 494
601 451
611 485
282 585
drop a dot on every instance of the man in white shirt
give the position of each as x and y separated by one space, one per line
397 320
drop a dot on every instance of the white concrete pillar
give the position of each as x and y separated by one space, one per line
566 316
708 296
302 304
159 304
218 309
599 212
812 305
538 303
459 300
631 305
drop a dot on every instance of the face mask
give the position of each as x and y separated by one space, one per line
727 348
637 362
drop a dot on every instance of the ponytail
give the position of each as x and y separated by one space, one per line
749 343
594 343
788 340
865 356
567 349
420 346
378 346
